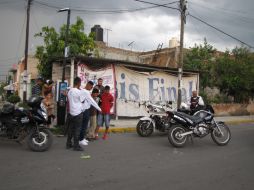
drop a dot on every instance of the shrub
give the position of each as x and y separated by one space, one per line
13 99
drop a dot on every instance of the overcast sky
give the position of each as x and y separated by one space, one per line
147 28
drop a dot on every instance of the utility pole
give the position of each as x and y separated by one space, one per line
107 33
61 104
180 62
66 40
26 49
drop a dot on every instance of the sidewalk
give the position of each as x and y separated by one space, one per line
129 125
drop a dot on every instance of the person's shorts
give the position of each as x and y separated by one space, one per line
103 118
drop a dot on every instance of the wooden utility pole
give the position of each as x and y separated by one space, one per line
180 62
26 50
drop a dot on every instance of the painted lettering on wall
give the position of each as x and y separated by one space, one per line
157 90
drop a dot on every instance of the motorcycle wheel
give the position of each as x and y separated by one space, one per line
144 128
41 141
174 138
219 138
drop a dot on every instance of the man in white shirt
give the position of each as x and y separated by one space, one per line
85 108
76 99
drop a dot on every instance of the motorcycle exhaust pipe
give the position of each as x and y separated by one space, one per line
186 133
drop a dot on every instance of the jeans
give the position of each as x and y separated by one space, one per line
103 118
75 123
86 117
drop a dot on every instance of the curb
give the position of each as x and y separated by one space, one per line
133 129
239 121
120 130
130 129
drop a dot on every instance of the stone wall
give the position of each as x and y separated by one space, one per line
233 109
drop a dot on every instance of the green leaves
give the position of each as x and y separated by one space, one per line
54 42
231 72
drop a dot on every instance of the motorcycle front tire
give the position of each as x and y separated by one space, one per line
174 138
40 142
144 128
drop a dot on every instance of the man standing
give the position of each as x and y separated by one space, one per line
76 99
106 104
86 114
37 88
99 86
196 102
93 116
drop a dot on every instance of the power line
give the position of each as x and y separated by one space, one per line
250 46
20 37
230 13
107 11
158 5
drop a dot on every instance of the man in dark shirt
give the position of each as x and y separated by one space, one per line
101 88
37 88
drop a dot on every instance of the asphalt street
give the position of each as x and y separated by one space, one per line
127 161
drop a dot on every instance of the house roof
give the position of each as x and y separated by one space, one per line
101 62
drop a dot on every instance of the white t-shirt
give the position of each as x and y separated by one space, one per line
88 101
75 98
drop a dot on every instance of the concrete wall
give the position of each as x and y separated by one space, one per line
57 71
116 53
233 109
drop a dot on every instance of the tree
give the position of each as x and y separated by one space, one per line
201 58
79 44
235 73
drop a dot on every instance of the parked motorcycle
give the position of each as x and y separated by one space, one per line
199 125
158 120
20 123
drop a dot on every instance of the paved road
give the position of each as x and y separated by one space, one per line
127 161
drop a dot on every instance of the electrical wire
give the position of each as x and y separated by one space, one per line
20 37
105 11
195 25
230 13
204 22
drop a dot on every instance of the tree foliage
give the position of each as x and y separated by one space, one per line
79 44
235 73
232 71
201 58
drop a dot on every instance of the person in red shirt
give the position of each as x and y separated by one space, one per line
104 116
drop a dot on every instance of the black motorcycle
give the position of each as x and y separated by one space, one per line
199 125
30 124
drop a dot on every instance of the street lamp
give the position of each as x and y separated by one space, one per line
66 39
61 105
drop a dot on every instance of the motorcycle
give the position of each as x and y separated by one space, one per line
19 123
157 120
199 125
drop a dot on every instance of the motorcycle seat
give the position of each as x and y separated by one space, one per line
193 118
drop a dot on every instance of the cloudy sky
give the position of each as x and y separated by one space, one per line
147 28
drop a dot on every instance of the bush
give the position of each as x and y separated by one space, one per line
13 99
23 105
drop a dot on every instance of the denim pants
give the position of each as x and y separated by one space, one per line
75 123
86 118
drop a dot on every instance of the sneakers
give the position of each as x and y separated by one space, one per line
83 142
105 136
